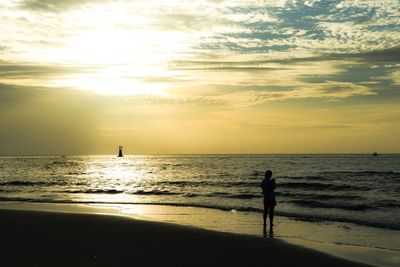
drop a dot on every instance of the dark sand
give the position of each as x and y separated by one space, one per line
32 238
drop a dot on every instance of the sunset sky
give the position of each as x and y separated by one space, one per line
237 76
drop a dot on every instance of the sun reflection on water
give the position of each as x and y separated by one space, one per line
113 179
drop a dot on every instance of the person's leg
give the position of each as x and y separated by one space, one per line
265 213
271 217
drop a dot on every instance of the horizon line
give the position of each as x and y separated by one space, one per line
198 154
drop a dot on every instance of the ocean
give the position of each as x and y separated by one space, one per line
353 190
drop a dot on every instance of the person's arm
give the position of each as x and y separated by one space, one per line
273 184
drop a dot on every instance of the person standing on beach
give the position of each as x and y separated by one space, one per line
268 187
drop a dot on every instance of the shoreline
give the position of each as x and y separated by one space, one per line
277 213
86 239
185 216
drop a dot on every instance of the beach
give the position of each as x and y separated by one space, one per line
162 133
44 238
342 211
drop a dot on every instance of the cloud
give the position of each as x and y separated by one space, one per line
389 55
382 56
57 5
200 44
39 75
329 90
31 70
233 97
259 61
395 77
237 27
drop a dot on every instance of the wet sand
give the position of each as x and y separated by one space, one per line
38 238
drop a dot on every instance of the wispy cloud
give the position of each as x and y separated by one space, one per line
308 47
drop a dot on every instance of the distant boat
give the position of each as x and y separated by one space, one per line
120 152
375 154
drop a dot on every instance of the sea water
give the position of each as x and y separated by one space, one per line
358 191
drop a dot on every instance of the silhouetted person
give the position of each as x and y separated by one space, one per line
268 187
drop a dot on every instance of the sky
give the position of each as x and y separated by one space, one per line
164 77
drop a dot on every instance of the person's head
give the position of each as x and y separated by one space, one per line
268 174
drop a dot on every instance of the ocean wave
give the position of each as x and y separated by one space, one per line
307 177
182 183
38 183
61 164
73 173
190 195
245 196
5 190
387 204
241 183
94 191
154 192
321 186
294 215
324 218
209 183
364 173
318 196
218 194
115 191
330 205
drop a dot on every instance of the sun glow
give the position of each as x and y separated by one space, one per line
116 86
115 81
124 53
